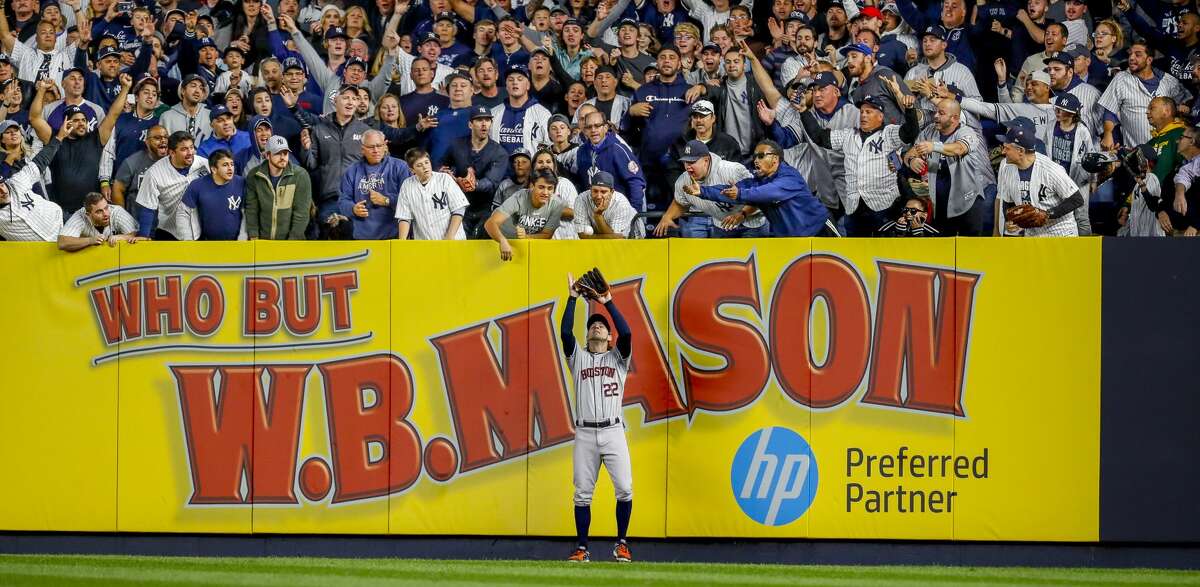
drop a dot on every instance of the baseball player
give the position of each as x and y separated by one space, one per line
430 202
1030 178
599 375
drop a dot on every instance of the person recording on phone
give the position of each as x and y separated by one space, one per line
912 220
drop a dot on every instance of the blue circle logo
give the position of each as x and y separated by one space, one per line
774 476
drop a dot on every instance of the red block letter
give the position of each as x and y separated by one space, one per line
158 303
262 306
699 323
922 335
119 311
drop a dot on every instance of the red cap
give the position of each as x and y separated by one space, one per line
872 12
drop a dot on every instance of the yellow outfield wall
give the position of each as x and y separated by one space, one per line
790 388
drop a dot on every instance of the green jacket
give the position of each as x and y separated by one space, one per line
278 213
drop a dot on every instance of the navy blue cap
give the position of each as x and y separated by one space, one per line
521 69
72 110
1148 151
825 78
336 32
192 77
602 179
78 69
710 47
429 38
796 15
693 151
1061 57
208 42
234 48
481 111
5 58
292 63
218 111
1019 135
572 21
352 60
879 102
936 30
107 52
627 21
1076 50
258 121
860 47
446 16
520 152
594 318
1068 102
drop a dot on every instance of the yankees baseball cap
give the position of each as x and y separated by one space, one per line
456 75
652 65
572 22
703 108
559 118
352 60
606 69
518 69
7 124
1040 76
710 47
825 78
877 102
107 52
145 79
258 121
70 70
208 42
860 47
446 16
937 31
1061 57
481 111
1076 50
520 152
598 318
72 110
277 144
4 58
602 179
627 22
694 150
890 7
292 63
218 111
336 33
347 87
540 49
429 38
1067 102
1019 135
234 48
796 15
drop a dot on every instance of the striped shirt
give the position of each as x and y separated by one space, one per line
720 172
79 225
1128 99
32 62
29 217
162 189
1048 186
867 175
429 206
823 169
619 215
951 72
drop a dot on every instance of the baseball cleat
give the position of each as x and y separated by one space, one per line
621 553
579 556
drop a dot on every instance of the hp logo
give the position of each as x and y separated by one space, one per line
774 476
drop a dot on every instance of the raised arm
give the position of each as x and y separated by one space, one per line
765 83
7 38
624 335
39 124
114 111
566 329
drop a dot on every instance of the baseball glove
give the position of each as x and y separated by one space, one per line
1027 216
592 285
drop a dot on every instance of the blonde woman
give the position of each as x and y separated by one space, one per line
17 153
358 26
1108 53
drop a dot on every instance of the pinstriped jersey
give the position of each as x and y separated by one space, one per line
1128 98
599 383
429 206
162 189
1048 185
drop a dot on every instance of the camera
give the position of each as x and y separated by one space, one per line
125 6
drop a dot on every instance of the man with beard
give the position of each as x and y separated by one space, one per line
778 190
942 67
128 179
190 115
735 100
486 74
868 79
369 187
226 135
1061 67
163 186
1128 96
953 19
948 151
97 223
75 170
479 165
660 109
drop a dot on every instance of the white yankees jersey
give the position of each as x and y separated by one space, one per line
867 175
620 105
1048 185
567 194
32 62
1042 115
619 215
78 225
530 129
29 217
1142 220
720 172
429 206
599 383
1128 99
162 189
951 72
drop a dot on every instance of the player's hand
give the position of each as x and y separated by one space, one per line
733 221
571 286
360 209
506 251
379 199
664 224
641 109
730 192
1164 221
1180 204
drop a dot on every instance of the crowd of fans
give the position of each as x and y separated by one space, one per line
450 119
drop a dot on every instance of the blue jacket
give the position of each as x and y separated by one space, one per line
237 145
357 183
784 197
666 122
614 156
